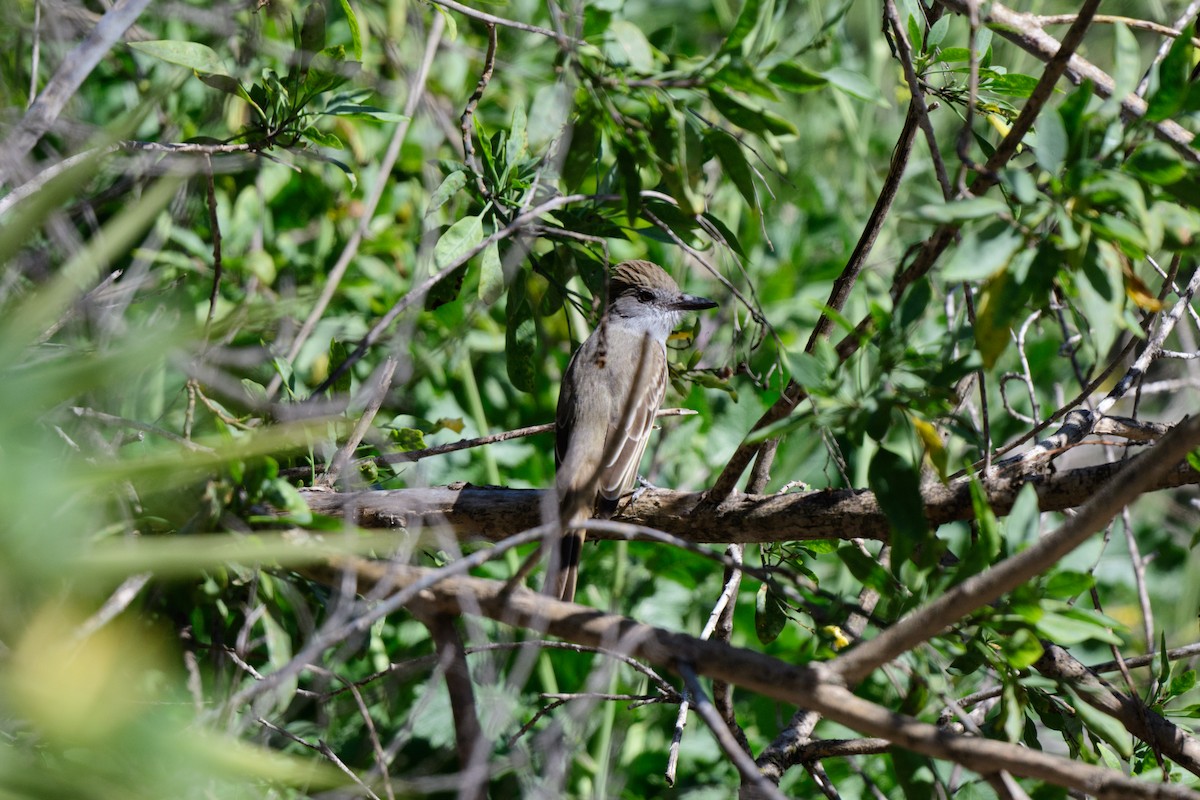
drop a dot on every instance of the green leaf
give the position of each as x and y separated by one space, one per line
805 369
491 274
322 138
937 32
548 114
1129 237
897 488
962 210
855 85
746 21
953 55
1021 649
1157 163
1127 68
733 161
357 111
1012 85
514 148
793 77
1067 584
1023 523
458 240
748 115
770 615
338 353
1000 300
625 46
1174 81
355 31
583 159
982 552
192 55
408 439
312 31
449 187
867 570
1183 682
1052 144
223 83
1103 726
1073 628
520 339
983 252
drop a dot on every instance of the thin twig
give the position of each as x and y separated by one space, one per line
905 53
489 64
492 19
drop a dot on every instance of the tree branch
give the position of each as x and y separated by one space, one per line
494 513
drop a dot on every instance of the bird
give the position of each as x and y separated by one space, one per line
610 395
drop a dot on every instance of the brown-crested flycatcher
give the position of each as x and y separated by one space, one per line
610 395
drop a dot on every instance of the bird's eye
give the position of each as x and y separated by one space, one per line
645 295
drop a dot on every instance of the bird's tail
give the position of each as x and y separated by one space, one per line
569 550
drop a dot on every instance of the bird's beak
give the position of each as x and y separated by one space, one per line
690 302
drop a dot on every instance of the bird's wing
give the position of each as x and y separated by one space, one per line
581 430
630 425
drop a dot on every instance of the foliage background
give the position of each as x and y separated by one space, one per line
162 395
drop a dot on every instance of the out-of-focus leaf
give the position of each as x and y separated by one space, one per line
951 55
897 488
449 187
1103 726
962 210
855 85
359 111
312 31
550 110
195 56
322 138
1021 649
733 162
1052 144
1155 162
982 551
625 46
1012 85
746 20
982 252
748 115
520 339
770 615
1174 82
459 239
491 274
937 32
793 77
355 31
1066 584
867 570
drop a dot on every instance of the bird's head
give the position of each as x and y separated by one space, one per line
642 293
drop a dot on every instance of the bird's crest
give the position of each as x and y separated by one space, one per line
633 275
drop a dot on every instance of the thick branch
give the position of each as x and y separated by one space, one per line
494 513
1156 730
